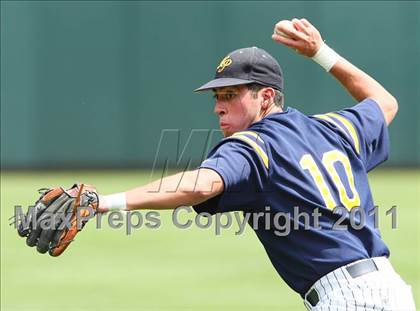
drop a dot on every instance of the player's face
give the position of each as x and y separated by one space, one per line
236 108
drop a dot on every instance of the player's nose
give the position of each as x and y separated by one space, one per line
219 108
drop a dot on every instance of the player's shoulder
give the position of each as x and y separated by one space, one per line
367 108
355 122
248 142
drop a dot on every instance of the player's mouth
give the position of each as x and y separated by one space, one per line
223 125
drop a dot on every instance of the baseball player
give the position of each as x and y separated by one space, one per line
275 159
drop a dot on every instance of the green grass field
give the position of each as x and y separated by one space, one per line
169 268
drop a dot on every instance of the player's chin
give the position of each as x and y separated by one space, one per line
228 130
227 133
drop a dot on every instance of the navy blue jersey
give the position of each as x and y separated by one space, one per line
289 161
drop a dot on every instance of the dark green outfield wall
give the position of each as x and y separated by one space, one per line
109 77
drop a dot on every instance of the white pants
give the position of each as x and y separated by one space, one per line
378 290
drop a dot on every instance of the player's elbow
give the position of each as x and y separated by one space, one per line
193 194
392 109
200 185
394 106
202 192
389 107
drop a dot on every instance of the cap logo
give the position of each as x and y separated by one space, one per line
224 63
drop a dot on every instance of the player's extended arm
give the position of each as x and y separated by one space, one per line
305 39
182 189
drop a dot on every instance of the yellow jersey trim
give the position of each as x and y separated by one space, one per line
328 119
254 145
254 134
349 126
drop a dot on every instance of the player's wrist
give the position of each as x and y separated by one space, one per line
326 57
113 202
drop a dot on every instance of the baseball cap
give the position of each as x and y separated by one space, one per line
245 66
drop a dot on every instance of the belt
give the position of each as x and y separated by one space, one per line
355 270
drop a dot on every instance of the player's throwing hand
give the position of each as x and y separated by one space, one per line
298 34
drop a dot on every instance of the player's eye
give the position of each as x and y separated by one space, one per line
227 96
230 96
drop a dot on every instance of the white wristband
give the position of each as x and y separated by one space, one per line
326 57
114 202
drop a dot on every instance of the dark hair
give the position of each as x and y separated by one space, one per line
278 97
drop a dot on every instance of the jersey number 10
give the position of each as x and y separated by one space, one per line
329 158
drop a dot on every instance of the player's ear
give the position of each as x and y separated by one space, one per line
267 95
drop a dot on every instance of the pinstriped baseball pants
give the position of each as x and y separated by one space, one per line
381 290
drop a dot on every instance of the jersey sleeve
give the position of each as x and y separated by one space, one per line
243 172
365 127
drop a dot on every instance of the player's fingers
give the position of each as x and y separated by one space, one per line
284 28
306 22
286 41
300 26
291 32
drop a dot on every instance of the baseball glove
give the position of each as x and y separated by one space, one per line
57 217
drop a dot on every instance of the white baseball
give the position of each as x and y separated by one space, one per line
284 24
